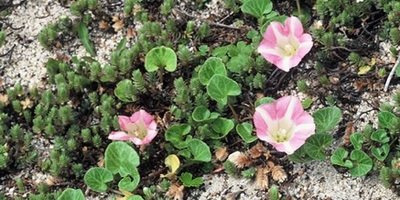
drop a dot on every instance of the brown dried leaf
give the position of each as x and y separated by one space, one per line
27 103
271 164
261 178
131 32
267 154
103 25
221 153
243 161
278 174
175 192
254 152
4 98
349 130
101 162
118 25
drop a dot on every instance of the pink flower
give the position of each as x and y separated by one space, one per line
140 128
285 46
284 124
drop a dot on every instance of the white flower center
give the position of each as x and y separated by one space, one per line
289 50
282 135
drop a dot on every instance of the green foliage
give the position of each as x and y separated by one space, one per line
2 38
188 181
83 34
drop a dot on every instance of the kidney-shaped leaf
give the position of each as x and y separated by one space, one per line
326 118
211 67
127 184
315 144
200 150
222 126
70 193
385 119
257 8
220 87
338 158
362 164
381 153
244 130
97 177
160 57
121 158
125 91
201 113
176 133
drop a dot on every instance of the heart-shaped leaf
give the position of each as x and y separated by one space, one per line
385 119
125 91
201 113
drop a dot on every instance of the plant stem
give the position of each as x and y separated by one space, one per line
391 74
235 115
298 7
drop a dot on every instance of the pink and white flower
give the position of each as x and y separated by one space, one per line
140 128
284 124
285 46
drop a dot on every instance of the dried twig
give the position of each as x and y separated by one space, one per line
207 21
391 74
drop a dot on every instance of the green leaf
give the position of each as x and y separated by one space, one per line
121 46
326 118
315 144
222 126
385 119
116 158
83 34
238 64
70 193
96 178
356 140
220 87
125 91
187 180
175 134
338 158
381 152
200 150
249 173
245 130
160 57
307 103
300 156
201 113
211 67
264 100
362 164
380 135
257 8
127 184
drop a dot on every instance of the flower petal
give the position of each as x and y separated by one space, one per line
123 121
275 33
119 135
294 25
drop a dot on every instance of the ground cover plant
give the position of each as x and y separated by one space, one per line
182 96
